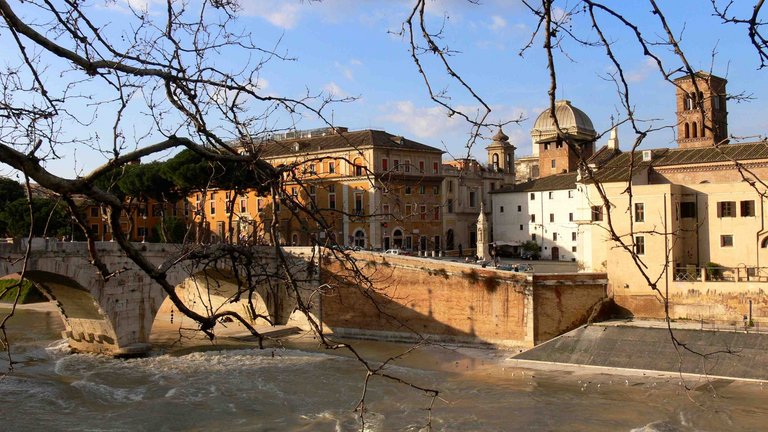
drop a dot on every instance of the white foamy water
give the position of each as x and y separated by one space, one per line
293 390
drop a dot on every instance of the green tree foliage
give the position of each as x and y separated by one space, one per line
171 230
10 190
45 212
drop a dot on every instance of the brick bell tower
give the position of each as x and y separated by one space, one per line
693 129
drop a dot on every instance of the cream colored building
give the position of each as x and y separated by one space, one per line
467 185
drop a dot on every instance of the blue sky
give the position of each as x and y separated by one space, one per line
347 47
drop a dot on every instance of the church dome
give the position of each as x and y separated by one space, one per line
573 121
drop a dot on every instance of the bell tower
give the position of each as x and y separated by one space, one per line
501 156
707 95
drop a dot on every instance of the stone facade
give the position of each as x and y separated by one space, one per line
456 302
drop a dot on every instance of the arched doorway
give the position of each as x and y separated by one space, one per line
555 253
397 239
360 238
449 242
294 239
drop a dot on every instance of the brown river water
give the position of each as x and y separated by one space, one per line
301 388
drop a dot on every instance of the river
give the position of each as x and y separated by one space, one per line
299 388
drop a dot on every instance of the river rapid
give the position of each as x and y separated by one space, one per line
298 388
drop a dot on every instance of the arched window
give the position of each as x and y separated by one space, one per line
695 128
397 239
360 238
687 130
764 243
294 239
495 161
703 131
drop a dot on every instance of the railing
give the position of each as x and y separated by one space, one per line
721 274
733 326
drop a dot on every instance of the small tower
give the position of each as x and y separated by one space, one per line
482 235
693 129
501 156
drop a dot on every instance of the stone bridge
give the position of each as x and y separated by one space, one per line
116 316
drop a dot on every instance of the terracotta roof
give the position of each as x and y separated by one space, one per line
616 168
341 141
603 155
552 182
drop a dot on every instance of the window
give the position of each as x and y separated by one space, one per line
519 209
640 245
358 170
243 205
450 206
533 236
554 236
639 212
407 166
570 217
501 209
396 164
551 195
358 204
385 212
408 210
331 167
551 217
726 209
332 201
435 168
423 212
716 102
186 208
533 218
259 204
688 209
436 213
597 213
521 227
533 196
421 166
726 240
573 249
422 190
553 163
312 169
450 186
472 199
570 194
573 236
385 164
294 192
407 190
493 186
213 207
94 212
747 208
435 190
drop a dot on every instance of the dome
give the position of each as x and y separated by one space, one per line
500 136
573 121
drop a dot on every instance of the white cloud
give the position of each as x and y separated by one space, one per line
285 14
433 123
642 72
334 90
497 23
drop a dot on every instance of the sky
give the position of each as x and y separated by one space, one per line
351 48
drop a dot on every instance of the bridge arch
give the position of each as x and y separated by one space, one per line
116 316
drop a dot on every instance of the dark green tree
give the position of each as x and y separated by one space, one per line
49 218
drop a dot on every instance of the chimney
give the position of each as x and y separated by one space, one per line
647 155
613 141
